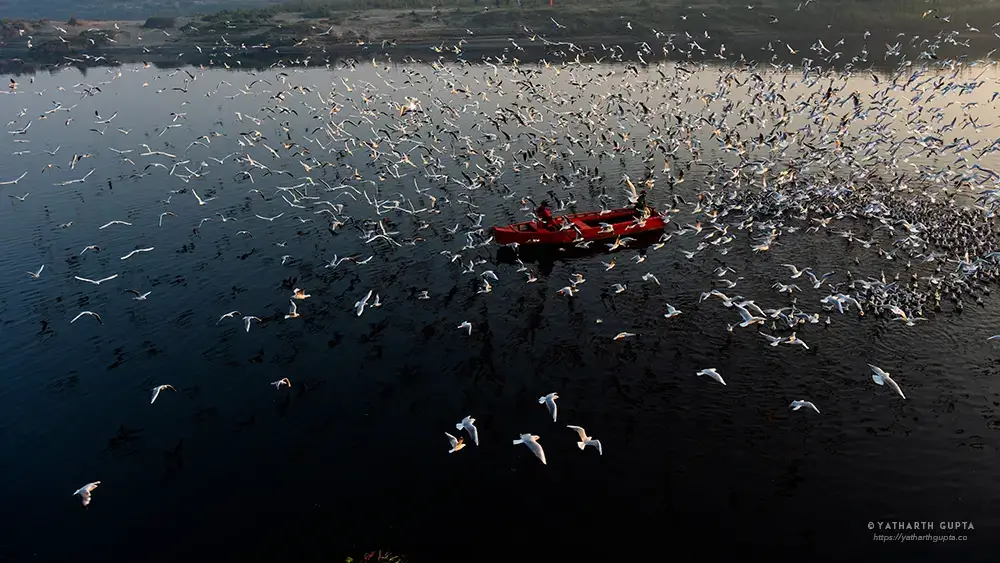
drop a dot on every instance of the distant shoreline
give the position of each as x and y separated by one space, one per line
258 38
23 63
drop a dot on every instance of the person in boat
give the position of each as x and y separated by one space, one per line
545 215
640 204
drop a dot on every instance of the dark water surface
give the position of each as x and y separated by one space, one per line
352 458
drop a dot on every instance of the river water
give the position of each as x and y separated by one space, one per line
352 457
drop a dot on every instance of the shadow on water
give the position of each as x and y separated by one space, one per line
548 255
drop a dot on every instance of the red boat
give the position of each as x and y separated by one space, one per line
579 227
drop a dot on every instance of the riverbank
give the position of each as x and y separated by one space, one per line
306 34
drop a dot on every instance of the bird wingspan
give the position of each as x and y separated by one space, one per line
580 431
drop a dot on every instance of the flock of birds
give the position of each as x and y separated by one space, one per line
528 440
392 155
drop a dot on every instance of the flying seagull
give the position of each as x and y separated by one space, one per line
550 402
586 440
456 443
882 377
90 313
85 491
247 319
228 315
157 389
138 296
796 405
468 424
531 441
713 374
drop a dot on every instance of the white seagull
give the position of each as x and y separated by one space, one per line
115 222
201 201
796 405
467 326
138 296
97 282
136 251
586 440
794 340
359 306
796 273
456 443
468 424
157 389
14 182
550 402
85 491
748 318
228 315
713 374
774 340
90 313
881 377
817 282
36 274
247 319
531 441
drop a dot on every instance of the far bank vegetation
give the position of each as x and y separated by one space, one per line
160 22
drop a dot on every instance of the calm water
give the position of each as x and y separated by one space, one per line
352 457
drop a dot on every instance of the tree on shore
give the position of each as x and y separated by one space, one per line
159 22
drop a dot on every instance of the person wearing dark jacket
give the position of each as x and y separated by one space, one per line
640 203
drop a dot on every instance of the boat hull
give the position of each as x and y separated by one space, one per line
623 223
